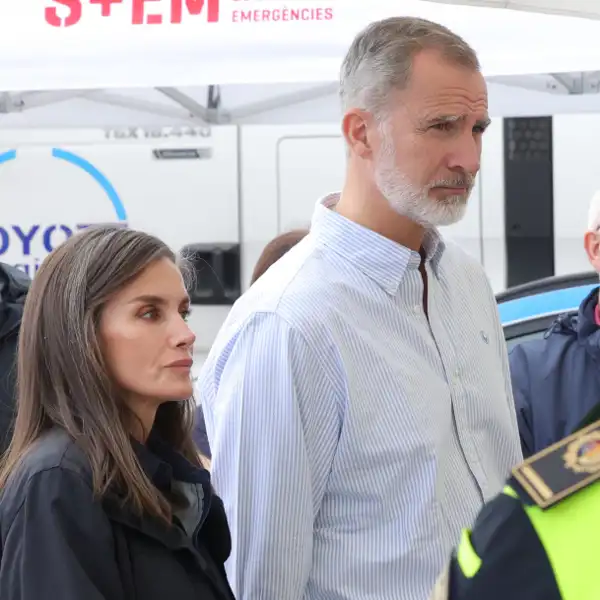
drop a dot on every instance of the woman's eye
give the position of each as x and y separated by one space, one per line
185 314
149 314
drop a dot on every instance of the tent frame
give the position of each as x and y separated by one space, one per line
185 107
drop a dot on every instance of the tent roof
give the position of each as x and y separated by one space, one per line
575 8
261 42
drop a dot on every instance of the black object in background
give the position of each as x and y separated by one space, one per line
529 199
14 285
216 277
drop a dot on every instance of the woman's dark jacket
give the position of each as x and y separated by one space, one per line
59 542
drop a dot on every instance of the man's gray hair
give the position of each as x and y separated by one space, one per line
380 58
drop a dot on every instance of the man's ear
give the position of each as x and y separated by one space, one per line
591 243
355 128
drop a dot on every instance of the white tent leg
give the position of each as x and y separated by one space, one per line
191 105
573 84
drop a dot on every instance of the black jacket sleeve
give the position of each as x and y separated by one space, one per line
513 564
59 544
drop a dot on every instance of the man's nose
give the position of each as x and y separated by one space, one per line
466 154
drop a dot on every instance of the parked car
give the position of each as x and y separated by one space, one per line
528 310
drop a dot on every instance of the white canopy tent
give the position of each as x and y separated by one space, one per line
575 8
55 50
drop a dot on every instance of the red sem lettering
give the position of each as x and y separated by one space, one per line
65 13
106 5
194 7
71 18
140 18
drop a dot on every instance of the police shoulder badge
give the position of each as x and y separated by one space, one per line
560 470
583 454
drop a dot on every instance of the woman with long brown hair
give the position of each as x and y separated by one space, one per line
102 493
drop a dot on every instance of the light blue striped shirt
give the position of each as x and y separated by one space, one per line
352 437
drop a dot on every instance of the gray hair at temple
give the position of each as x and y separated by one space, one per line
380 59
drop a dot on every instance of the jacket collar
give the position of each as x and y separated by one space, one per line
168 470
162 464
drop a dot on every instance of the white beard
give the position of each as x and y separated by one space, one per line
412 201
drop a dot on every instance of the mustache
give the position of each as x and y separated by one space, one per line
463 181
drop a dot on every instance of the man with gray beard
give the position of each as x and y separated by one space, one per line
357 399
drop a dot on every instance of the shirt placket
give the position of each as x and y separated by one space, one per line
448 355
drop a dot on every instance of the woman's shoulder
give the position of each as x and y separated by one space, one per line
53 457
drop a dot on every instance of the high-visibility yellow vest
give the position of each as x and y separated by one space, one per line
569 532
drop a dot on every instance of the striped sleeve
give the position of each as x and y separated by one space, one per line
274 424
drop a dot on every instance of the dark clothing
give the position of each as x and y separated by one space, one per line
200 435
514 564
556 380
58 541
14 285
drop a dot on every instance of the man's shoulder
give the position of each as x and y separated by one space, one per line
291 292
54 455
550 347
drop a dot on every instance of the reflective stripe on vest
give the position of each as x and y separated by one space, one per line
569 532
466 557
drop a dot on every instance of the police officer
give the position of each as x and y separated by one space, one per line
537 539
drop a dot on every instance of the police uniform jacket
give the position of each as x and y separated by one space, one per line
537 539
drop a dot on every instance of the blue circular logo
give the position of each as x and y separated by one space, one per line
89 168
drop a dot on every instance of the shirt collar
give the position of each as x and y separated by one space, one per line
378 257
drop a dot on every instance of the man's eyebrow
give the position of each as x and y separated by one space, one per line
484 123
445 119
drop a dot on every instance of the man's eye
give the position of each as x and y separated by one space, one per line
443 126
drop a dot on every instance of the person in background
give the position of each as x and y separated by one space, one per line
14 285
272 252
555 379
357 398
276 249
102 492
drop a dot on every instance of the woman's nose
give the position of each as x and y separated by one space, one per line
185 336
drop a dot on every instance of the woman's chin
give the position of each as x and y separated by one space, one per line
179 395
